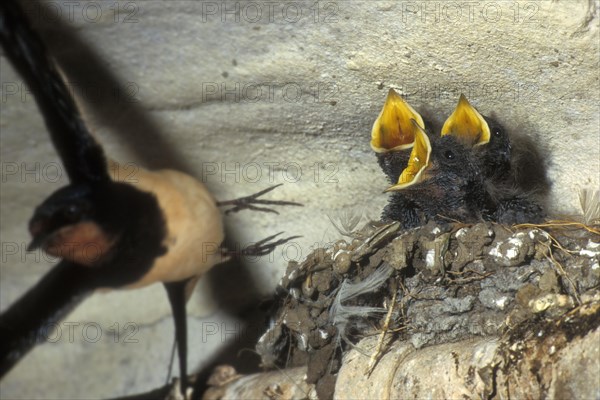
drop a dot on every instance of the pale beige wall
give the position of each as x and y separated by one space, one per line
537 71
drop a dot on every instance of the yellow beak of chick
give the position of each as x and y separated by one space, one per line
467 124
393 129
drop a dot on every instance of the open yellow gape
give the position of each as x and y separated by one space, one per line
393 129
418 161
467 124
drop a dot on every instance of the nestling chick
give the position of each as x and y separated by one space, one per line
442 179
487 137
514 194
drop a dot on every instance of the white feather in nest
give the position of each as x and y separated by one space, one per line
341 316
589 200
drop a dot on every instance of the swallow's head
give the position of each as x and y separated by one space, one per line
65 226
485 134
442 176
497 153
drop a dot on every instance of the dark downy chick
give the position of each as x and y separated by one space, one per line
442 180
512 197
392 138
488 138
528 166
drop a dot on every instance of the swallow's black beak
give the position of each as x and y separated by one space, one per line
36 243
38 231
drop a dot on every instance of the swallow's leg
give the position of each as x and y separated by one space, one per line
177 298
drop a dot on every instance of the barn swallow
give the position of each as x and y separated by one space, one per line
442 179
393 134
489 139
164 227
515 175
392 138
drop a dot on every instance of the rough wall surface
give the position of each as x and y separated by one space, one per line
247 94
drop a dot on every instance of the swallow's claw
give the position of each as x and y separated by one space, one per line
249 202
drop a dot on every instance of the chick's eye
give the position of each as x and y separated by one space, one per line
497 132
449 155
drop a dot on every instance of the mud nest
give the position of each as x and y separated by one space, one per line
435 284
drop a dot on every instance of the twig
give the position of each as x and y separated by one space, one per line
480 276
564 274
560 224
462 224
469 270
386 325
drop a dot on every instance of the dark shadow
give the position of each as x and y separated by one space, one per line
239 353
240 298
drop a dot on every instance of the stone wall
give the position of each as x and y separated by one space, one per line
247 94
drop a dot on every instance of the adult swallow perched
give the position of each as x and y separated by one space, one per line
164 227
442 179
515 174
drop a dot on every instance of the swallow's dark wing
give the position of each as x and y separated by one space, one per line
30 319
81 155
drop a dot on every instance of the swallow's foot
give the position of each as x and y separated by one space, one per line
260 248
249 202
